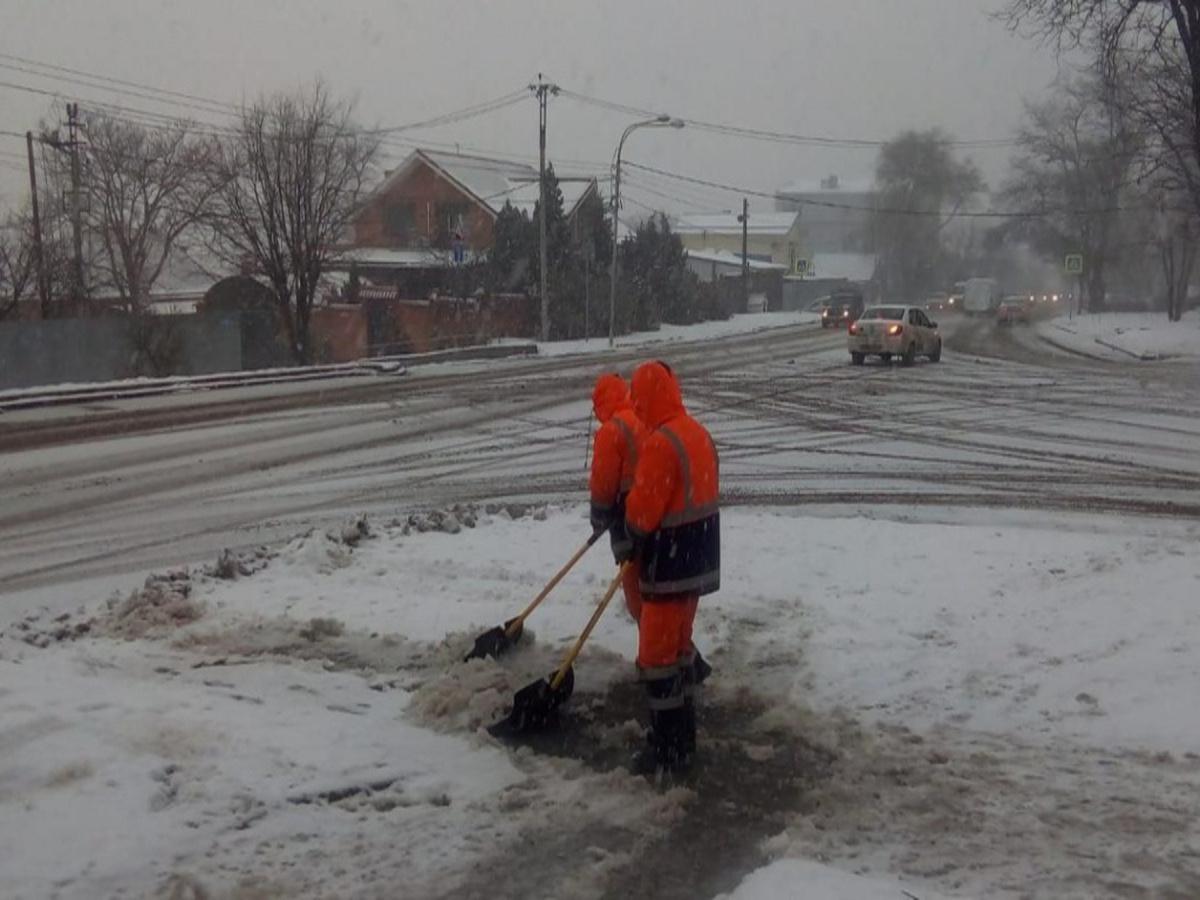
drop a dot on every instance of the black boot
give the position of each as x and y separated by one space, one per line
668 746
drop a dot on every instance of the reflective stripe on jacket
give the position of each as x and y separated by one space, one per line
673 507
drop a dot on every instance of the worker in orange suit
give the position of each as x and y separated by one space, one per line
614 458
673 520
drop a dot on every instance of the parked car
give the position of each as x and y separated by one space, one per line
887 331
1011 310
841 310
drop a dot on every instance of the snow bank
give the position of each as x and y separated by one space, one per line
1146 336
702 331
813 881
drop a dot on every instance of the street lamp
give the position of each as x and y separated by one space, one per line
663 121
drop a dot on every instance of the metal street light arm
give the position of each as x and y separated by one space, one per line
663 121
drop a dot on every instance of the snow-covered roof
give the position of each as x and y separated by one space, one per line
386 257
851 266
492 182
728 258
830 184
524 194
778 223
187 274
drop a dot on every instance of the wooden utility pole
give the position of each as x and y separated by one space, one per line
39 257
543 90
76 205
744 218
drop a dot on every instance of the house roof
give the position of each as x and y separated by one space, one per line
386 257
491 182
728 258
524 195
761 223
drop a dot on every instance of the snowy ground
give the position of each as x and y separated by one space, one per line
954 645
667 334
313 730
1147 336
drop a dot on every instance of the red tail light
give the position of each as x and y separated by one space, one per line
895 329
854 328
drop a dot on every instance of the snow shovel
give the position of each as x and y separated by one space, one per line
496 640
535 706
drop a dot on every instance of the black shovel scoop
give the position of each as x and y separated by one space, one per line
535 706
496 640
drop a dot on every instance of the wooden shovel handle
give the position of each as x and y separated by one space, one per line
569 659
515 625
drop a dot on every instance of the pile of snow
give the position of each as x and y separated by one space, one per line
814 881
164 602
1146 336
703 331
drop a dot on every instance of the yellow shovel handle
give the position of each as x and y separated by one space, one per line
569 659
515 625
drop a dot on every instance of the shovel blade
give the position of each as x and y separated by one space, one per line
535 706
493 642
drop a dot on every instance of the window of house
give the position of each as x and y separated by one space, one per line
399 221
452 218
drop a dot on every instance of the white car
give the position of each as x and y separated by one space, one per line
887 331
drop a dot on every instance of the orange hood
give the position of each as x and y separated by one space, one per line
610 394
656 397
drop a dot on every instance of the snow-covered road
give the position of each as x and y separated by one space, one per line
954 644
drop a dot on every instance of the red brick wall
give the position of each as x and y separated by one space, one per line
339 333
426 191
419 326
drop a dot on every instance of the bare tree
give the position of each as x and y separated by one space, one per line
1075 162
920 186
18 266
287 184
144 189
1152 49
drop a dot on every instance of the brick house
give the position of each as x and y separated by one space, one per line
435 201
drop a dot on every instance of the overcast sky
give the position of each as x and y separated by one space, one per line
842 68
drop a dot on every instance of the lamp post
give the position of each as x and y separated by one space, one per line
663 121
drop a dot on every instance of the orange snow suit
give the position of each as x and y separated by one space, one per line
614 457
672 515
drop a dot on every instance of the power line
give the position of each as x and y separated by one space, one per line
93 85
118 81
212 107
638 185
774 136
883 210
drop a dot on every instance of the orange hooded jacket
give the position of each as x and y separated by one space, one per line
672 510
615 453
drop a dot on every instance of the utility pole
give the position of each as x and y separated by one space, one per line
71 146
38 254
543 90
744 218
76 204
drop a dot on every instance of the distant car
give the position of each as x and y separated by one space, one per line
1012 310
841 310
937 302
887 331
